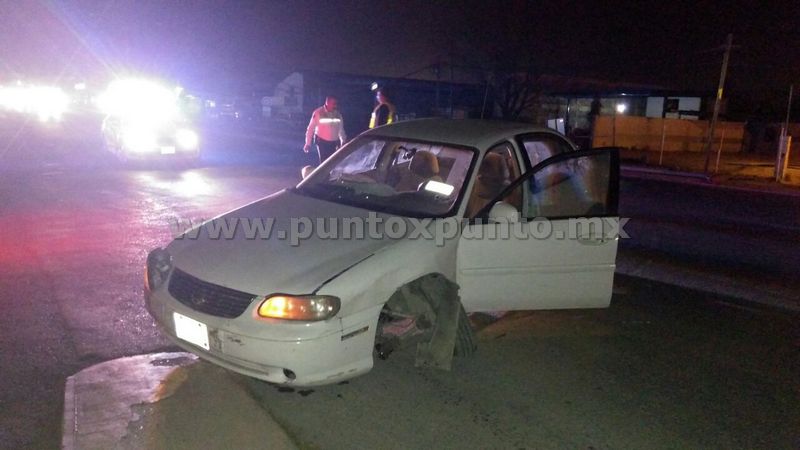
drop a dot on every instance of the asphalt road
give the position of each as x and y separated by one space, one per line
74 232
742 229
662 368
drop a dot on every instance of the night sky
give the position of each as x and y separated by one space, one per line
224 44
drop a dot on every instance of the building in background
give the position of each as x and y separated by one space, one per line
300 92
560 102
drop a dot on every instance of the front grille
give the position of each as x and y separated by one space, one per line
208 298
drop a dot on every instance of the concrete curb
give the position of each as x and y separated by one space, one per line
773 295
164 400
666 172
70 426
695 179
97 399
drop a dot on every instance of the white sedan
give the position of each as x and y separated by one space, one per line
388 244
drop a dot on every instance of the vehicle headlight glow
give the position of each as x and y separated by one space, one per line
187 139
45 102
304 307
159 263
139 139
140 100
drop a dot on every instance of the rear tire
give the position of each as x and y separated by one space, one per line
465 336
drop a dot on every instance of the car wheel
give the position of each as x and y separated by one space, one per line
465 336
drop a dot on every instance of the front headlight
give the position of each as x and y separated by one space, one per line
140 139
187 139
159 263
303 307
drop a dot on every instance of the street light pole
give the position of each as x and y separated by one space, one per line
718 100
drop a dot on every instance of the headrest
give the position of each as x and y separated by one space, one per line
424 164
493 168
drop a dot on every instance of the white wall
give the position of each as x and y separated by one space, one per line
690 107
655 107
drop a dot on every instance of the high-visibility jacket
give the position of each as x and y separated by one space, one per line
383 114
328 125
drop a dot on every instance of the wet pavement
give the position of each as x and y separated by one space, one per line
74 231
73 252
662 368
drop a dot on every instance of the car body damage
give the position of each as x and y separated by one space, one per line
386 244
426 312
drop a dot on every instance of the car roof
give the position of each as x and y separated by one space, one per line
480 134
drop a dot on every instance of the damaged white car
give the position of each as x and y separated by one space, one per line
389 243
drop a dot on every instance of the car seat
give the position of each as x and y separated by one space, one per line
424 166
492 178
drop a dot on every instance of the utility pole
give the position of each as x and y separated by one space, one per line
723 73
789 107
785 141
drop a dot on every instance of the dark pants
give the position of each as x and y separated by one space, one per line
325 148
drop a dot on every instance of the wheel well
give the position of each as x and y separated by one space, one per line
425 312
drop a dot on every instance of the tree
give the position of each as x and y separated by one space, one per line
504 60
515 91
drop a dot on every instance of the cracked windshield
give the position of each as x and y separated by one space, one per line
417 179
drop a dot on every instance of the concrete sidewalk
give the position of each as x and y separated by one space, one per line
748 287
164 401
752 172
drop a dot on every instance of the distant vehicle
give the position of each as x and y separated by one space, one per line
226 109
131 140
145 120
315 311
237 109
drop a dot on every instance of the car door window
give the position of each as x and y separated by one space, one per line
574 184
574 187
539 147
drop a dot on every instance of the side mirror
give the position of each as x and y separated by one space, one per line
306 171
503 212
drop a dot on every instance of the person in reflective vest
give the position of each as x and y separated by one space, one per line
326 129
384 113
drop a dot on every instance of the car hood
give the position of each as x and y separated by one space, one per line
273 264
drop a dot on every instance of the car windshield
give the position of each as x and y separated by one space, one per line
407 178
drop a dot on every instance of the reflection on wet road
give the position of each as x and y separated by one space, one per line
72 249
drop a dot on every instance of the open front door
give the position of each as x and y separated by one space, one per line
561 251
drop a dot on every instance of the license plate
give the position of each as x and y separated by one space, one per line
168 150
190 330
